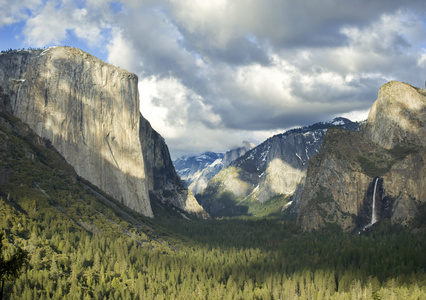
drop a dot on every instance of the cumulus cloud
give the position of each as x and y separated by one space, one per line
215 73
17 10
177 112
55 22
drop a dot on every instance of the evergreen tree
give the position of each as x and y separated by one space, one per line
11 268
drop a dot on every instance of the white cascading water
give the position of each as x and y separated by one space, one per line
373 212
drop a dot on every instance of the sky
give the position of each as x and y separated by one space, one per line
215 73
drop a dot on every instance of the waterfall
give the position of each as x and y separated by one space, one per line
373 211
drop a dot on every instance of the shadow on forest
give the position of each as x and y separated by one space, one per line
271 246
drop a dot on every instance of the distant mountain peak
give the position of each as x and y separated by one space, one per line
275 168
196 171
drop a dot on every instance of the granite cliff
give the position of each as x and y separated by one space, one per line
164 184
89 110
383 163
270 177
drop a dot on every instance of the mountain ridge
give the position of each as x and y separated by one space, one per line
275 169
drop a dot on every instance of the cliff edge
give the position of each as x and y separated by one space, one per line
89 110
358 179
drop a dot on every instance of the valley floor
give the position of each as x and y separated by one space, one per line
216 259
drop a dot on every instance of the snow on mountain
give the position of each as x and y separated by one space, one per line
188 166
275 168
196 171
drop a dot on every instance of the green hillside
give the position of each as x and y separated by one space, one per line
84 245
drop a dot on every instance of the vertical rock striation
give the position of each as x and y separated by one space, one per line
340 180
89 110
335 183
163 182
236 153
160 171
398 116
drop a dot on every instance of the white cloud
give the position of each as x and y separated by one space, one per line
356 115
163 98
122 53
54 23
214 73
422 60
50 26
171 106
17 10
288 81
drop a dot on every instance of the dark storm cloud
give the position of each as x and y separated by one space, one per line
213 72
239 51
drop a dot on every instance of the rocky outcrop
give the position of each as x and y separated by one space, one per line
274 169
405 186
4 101
89 110
390 149
398 116
335 183
160 171
163 182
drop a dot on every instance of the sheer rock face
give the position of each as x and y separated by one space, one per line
391 147
163 182
398 116
405 185
335 183
89 110
160 171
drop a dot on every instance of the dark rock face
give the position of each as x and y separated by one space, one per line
161 173
340 180
365 216
4 101
164 183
